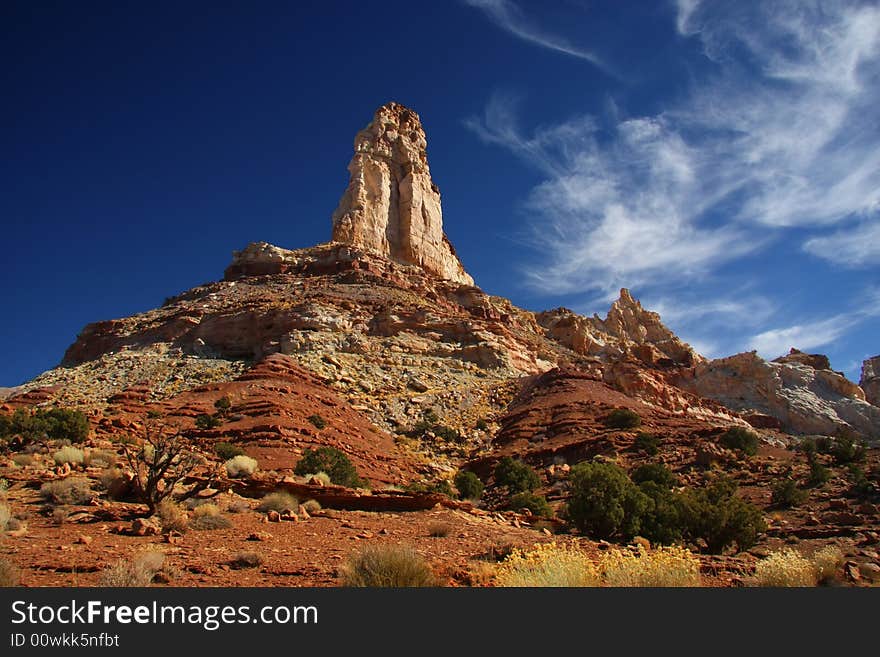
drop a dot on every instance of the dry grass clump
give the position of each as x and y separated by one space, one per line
5 515
100 458
207 517
439 529
68 454
23 460
546 565
172 516
667 566
789 568
279 502
246 560
139 571
241 465
73 490
387 566
323 477
311 506
9 574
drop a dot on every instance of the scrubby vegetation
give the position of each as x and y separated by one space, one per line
72 490
241 465
788 568
786 493
740 439
317 421
332 461
279 502
223 405
648 443
24 427
227 451
207 517
9 574
469 485
671 566
387 566
717 516
439 529
137 572
547 565
246 560
604 502
172 516
205 421
537 505
517 476
68 454
623 418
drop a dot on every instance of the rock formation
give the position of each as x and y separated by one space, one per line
804 399
870 381
628 329
391 206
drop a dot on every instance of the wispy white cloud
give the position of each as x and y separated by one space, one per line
856 246
781 135
508 16
777 342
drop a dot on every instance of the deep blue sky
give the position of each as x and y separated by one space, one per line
722 160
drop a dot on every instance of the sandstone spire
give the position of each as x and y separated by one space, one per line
391 205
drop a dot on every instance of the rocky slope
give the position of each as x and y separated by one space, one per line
870 380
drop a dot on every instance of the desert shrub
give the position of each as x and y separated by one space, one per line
205 509
227 451
137 572
172 516
45 424
153 414
223 405
100 458
662 521
72 490
59 515
517 476
5 515
280 502
205 421
9 574
23 460
846 449
159 463
547 565
648 443
784 568
439 529
469 485
323 477
447 433
317 421
71 455
243 560
311 506
859 484
604 502
387 566
665 566
332 461
819 474
482 425
436 487
623 418
716 515
114 482
785 493
209 521
241 465
658 473
537 505
826 563
741 439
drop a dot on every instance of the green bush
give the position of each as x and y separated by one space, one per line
438 487
662 521
223 405
847 449
387 566
516 476
819 474
786 494
73 490
860 485
205 421
716 515
469 485
623 418
740 439
227 451
536 504
656 472
279 502
317 421
332 461
604 502
482 425
45 424
648 443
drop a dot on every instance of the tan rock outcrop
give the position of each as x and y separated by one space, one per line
391 206
870 380
804 399
628 329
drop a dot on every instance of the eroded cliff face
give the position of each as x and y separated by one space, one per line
391 206
870 381
805 399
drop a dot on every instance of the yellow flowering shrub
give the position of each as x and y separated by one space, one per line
663 566
789 568
547 564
